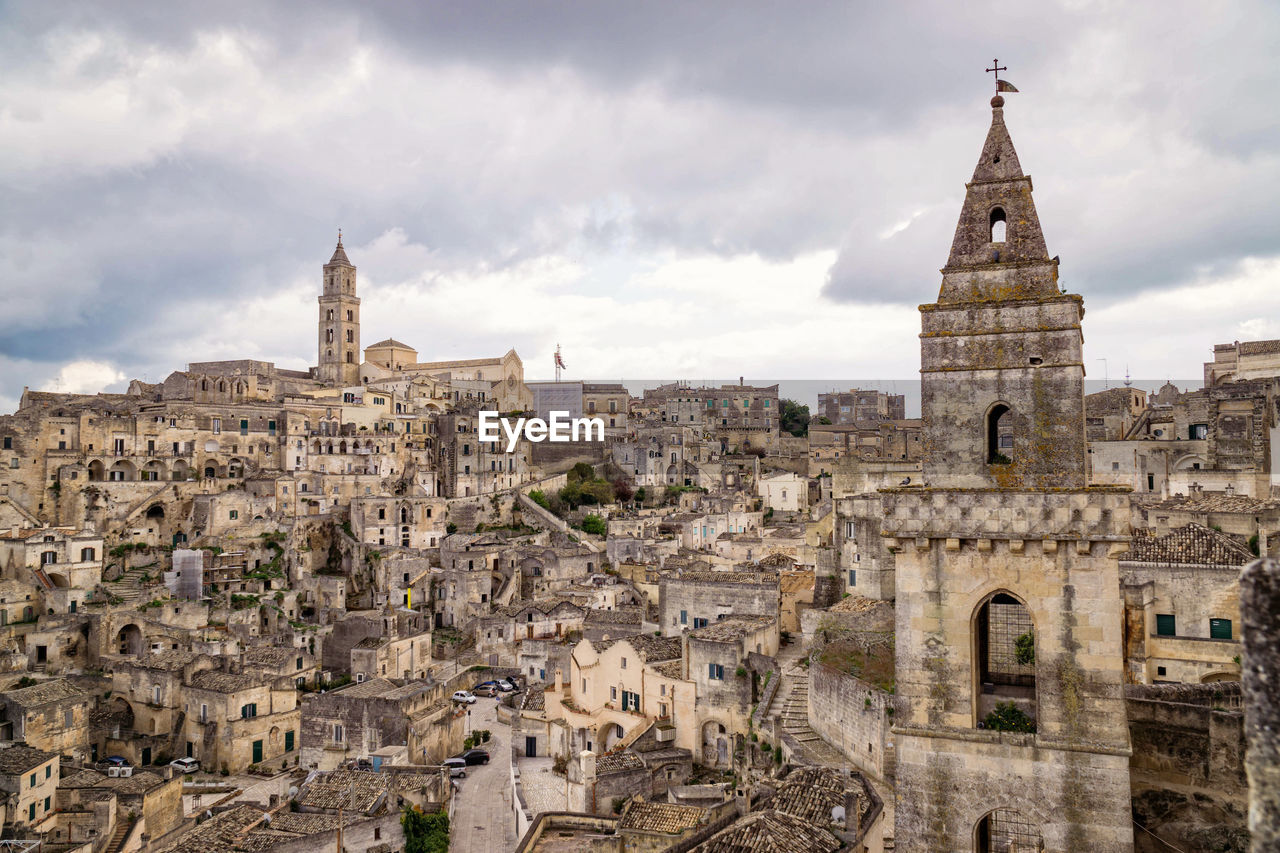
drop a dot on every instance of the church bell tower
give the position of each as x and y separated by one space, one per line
1011 725
339 324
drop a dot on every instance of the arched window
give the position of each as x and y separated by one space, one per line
1005 657
329 314
1007 831
998 225
351 357
351 336
328 336
999 435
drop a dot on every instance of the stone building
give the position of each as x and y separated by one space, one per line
29 780
339 323
357 720
52 716
1182 605
694 599
858 405
1007 584
234 720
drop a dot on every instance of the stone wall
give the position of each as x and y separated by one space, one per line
851 715
1260 607
1187 768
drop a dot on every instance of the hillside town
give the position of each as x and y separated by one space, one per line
248 608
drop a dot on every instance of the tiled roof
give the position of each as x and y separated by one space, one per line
270 655
20 758
303 823
389 342
1217 502
222 682
82 779
670 669
1259 347
370 643
137 783
46 692
726 577
167 661
355 790
771 832
667 818
620 616
1190 545
220 833
810 793
730 629
533 700
616 762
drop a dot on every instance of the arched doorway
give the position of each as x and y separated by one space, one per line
129 640
1004 645
715 744
1007 831
97 471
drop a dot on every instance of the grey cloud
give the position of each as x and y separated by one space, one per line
776 129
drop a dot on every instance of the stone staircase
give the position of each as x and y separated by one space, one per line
812 749
118 837
130 586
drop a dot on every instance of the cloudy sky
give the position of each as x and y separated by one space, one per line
669 190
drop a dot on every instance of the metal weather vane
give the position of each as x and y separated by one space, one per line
1001 85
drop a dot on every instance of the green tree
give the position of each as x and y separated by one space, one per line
425 833
595 525
794 418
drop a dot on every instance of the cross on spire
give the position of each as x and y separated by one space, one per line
996 68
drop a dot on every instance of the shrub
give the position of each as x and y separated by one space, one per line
451 528
469 742
618 803
540 498
425 833
560 765
1024 649
595 525
741 672
1008 717
777 754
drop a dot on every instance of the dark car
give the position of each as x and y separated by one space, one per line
485 684
116 761
475 756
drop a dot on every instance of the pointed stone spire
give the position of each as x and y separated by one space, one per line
999 230
339 254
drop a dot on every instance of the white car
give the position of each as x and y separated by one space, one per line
464 696
185 765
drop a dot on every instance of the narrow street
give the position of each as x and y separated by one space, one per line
482 817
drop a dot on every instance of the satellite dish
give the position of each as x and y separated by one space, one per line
266 818
837 814
293 792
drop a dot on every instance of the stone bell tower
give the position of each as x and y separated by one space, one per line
1011 727
339 325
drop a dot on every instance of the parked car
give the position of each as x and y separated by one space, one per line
185 765
506 686
116 761
473 756
487 684
466 697
486 690
457 767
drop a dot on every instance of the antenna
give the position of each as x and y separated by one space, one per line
1105 383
